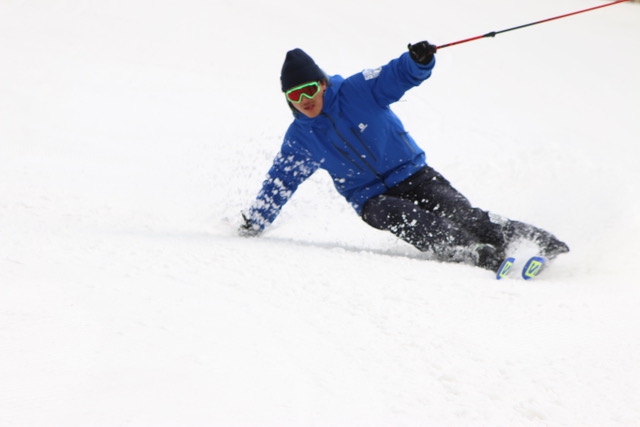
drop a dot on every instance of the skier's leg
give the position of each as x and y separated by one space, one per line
433 193
428 232
550 246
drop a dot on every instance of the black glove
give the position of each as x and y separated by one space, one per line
249 229
422 52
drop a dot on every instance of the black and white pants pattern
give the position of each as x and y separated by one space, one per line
427 212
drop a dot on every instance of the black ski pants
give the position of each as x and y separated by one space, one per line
427 212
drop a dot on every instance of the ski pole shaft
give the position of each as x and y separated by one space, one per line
495 33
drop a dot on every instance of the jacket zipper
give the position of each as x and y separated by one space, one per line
351 147
361 141
403 135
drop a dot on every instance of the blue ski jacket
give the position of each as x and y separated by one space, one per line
357 139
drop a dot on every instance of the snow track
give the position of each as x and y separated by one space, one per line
133 133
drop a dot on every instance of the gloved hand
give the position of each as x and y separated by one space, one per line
422 52
249 229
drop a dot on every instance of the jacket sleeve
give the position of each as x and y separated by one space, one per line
291 167
389 83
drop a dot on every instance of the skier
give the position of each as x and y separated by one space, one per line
346 127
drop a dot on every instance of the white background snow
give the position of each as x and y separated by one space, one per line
133 132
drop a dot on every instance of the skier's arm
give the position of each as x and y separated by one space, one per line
391 81
290 168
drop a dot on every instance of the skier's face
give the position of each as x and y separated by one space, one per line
312 107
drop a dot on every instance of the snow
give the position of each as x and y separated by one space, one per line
133 132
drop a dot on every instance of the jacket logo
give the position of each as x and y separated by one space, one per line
371 73
362 127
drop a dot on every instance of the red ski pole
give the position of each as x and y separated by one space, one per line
495 33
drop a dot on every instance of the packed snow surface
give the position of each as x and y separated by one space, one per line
132 134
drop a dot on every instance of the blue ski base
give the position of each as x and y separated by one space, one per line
531 269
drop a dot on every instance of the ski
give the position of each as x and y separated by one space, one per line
532 268
505 268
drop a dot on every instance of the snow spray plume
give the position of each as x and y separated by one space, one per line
495 33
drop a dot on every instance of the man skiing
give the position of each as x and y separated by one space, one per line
346 127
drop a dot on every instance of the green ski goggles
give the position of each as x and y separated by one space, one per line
309 90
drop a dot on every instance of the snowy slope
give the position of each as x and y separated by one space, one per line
132 133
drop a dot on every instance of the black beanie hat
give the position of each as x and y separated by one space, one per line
299 68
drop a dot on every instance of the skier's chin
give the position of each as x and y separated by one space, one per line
311 111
